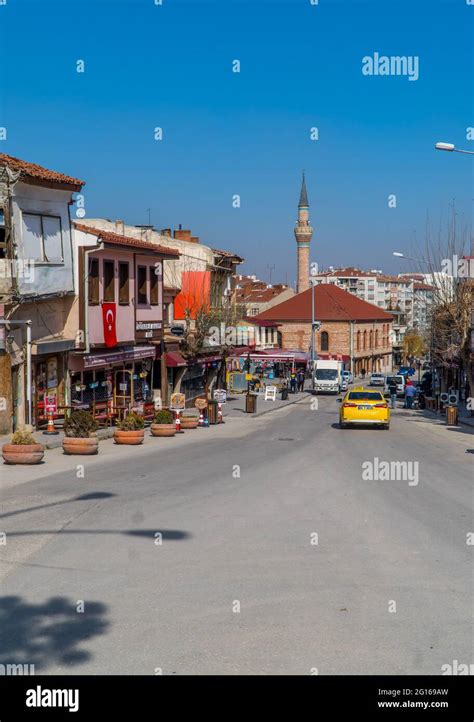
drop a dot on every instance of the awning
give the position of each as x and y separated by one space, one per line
111 357
174 359
278 356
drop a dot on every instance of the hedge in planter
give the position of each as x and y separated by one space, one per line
79 433
131 430
163 424
23 449
189 421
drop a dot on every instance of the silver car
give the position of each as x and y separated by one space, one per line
377 380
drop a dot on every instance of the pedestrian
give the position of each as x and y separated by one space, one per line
293 382
300 379
392 390
410 392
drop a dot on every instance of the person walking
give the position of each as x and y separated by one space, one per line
392 390
300 379
410 392
293 382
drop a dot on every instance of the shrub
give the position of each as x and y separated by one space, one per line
22 437
80 425
164 416
132 422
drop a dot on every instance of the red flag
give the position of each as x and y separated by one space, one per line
108 317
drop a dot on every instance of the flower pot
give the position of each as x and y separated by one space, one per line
189 422
87 446
22 453
163 429
129 437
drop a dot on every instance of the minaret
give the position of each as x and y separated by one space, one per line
303 235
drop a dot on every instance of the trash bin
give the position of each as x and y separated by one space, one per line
251 403
212 412
451 415
284 393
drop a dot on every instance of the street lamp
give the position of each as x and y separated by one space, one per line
450 147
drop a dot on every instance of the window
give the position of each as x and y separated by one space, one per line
371 339
124 284
109 281
42 238
376 339
93 281
358 341
364 342
324 341
142 295
153 287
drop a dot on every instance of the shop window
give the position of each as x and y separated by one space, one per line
124 284
153 287
3 245
324 341
109 281
42 238
93 281
142 295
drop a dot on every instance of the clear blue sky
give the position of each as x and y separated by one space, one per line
248 134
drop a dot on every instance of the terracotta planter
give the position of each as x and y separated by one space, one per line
22 453
129 437
163 429
87 446
189 422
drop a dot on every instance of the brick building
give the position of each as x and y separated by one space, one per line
358 331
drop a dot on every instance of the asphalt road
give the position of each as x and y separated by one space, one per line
238 583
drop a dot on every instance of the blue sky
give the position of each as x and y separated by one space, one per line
248 133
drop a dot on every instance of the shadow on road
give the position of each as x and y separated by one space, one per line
49 633
169 534
95 495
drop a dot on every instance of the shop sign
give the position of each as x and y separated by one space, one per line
147 329
178 402
200 404
50 404
132 354
220 395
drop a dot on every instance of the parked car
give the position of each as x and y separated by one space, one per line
377 380
344 384
364 406
349 376
399 380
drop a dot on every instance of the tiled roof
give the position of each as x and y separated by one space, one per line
31 170
117 240
422 286
331 304
227 254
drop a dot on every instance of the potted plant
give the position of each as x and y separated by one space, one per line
163 424
79 433
130 430
189 421
23 448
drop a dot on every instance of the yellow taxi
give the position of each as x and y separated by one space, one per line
364 406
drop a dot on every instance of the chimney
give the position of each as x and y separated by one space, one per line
194 239
165 232
182 235
120 228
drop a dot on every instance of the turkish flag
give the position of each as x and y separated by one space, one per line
108 317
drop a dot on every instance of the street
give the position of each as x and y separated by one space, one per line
256 547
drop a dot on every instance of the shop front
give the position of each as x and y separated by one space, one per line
49 370
112 383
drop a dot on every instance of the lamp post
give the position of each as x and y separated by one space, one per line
451 148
